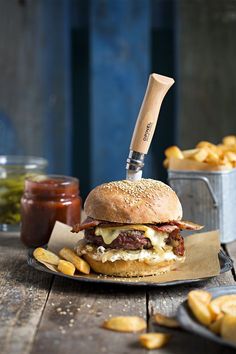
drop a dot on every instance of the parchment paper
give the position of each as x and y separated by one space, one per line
191 165
201 256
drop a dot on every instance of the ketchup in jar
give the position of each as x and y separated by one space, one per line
47 199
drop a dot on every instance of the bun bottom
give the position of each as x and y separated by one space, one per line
130 268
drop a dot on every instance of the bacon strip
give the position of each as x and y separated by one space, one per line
168 227
186 225
164 228
86 224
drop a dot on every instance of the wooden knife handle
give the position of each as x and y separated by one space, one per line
157 88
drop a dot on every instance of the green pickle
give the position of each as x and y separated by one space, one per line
11 190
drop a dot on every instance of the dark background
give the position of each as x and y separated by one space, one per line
74 72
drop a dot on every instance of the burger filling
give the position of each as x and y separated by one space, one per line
133 239
106 241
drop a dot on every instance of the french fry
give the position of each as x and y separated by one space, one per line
225 148
212 157
207 145
46 256
232 148
200 155
224 159
188 153
202 295
200 311
80 264
154 340
216 304
125 324
229 140
231 156
228 328
66 267
174 151
165 321
229 308
166 163
198 301
226 165
215 326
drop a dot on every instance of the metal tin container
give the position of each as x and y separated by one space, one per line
208 198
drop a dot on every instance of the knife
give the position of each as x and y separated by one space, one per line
158 86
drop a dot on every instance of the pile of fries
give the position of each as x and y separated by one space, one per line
68 262
218 314
223 155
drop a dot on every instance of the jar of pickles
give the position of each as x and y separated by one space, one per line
13 171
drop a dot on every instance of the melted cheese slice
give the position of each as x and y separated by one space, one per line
109 234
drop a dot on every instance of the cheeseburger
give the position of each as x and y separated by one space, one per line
132 228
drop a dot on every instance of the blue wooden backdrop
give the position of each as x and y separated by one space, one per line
73 76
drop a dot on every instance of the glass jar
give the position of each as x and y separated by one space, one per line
13 171
47 199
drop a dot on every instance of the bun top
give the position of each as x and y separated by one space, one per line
145 201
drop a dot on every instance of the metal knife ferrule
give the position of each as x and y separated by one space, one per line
135 161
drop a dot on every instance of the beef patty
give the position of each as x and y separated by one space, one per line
135 240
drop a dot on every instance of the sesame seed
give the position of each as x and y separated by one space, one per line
134 191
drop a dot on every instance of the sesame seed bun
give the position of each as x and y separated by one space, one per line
145 201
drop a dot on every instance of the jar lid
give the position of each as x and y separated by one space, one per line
27 162
52 185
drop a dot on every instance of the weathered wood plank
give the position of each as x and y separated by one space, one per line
74 314
206 61
23 296
231 250
120 46
35 87
81 94
167 302
163 36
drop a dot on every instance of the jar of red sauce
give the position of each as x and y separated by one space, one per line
47 199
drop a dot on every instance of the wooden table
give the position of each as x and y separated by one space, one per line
40 313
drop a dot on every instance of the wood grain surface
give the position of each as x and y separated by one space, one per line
40 313
231 249
23 295
83 310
